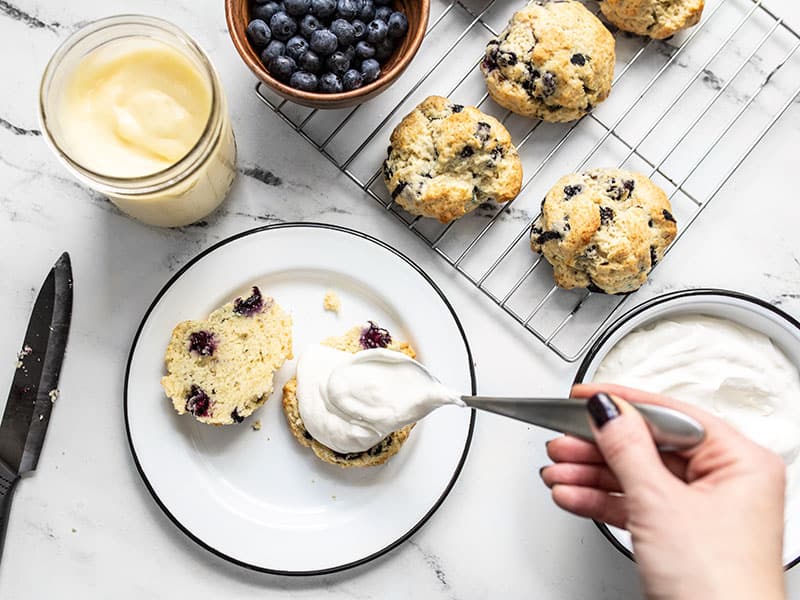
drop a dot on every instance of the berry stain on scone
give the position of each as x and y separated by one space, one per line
366 337
446 159
554 61
657 19
604 229
220 369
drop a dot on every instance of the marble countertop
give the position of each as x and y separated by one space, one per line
85 526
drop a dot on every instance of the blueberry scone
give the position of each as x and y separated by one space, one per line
355 340
604 229
446 159
554 61
220 369
657 19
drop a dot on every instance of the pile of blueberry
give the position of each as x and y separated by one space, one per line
325 46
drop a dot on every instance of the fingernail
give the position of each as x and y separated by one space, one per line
541 471
602 409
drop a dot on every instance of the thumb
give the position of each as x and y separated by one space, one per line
625 442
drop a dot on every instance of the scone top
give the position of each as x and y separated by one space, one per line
554 61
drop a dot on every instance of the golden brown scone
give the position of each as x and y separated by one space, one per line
354 340
554 61
446 159
604 229
657 19
220 369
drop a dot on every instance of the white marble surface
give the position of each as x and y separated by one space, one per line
84 525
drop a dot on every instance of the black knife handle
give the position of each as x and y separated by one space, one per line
8 483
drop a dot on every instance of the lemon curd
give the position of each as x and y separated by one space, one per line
134 108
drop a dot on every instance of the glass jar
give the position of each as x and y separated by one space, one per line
179 194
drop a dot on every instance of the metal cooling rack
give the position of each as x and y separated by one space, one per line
674 107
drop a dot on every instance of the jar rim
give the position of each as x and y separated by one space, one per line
164 178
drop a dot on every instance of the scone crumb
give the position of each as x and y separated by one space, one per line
332 302
257 425
53 394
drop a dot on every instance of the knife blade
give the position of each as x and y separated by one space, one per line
35 383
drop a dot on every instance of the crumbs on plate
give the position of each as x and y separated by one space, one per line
331 302
256 426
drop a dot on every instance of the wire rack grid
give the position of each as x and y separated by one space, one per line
674 108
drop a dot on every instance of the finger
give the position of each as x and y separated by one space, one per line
593 476
573 450
624 439
568 449
591 503
715 428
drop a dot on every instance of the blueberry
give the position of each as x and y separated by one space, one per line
265 11
282 25
606 215
198 402
296 47
255 302
323 8
258 32
359 29
237 418
547 236
329 83
338 63
303 80
347 9
377 31
548 83
398 25
308 25
384 49
571 190
373 336
367 11
653 257
323 42
297 7
365 50
668 215
310 61
352 79
578 59
281 68
457 108
370 69
506 59
273 49
344 32
202 342
483 131
382 13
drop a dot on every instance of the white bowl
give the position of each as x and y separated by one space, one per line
751 312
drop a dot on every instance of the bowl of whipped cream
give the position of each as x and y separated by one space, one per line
734 355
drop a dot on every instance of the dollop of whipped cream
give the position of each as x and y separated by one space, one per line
350 402
725 368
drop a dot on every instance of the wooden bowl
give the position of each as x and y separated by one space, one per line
237 13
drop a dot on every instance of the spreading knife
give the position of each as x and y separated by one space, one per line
671 429
35 384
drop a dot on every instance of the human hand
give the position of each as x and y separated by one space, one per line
706 523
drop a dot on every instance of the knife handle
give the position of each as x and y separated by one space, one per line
8 483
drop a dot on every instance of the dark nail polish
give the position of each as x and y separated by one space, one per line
542 471
602 409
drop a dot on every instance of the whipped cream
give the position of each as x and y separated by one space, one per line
350 402
725 368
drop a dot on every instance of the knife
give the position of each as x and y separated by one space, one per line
35 384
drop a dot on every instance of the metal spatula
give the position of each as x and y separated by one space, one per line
672 430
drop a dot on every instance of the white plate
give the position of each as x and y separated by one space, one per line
258 498
783 330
